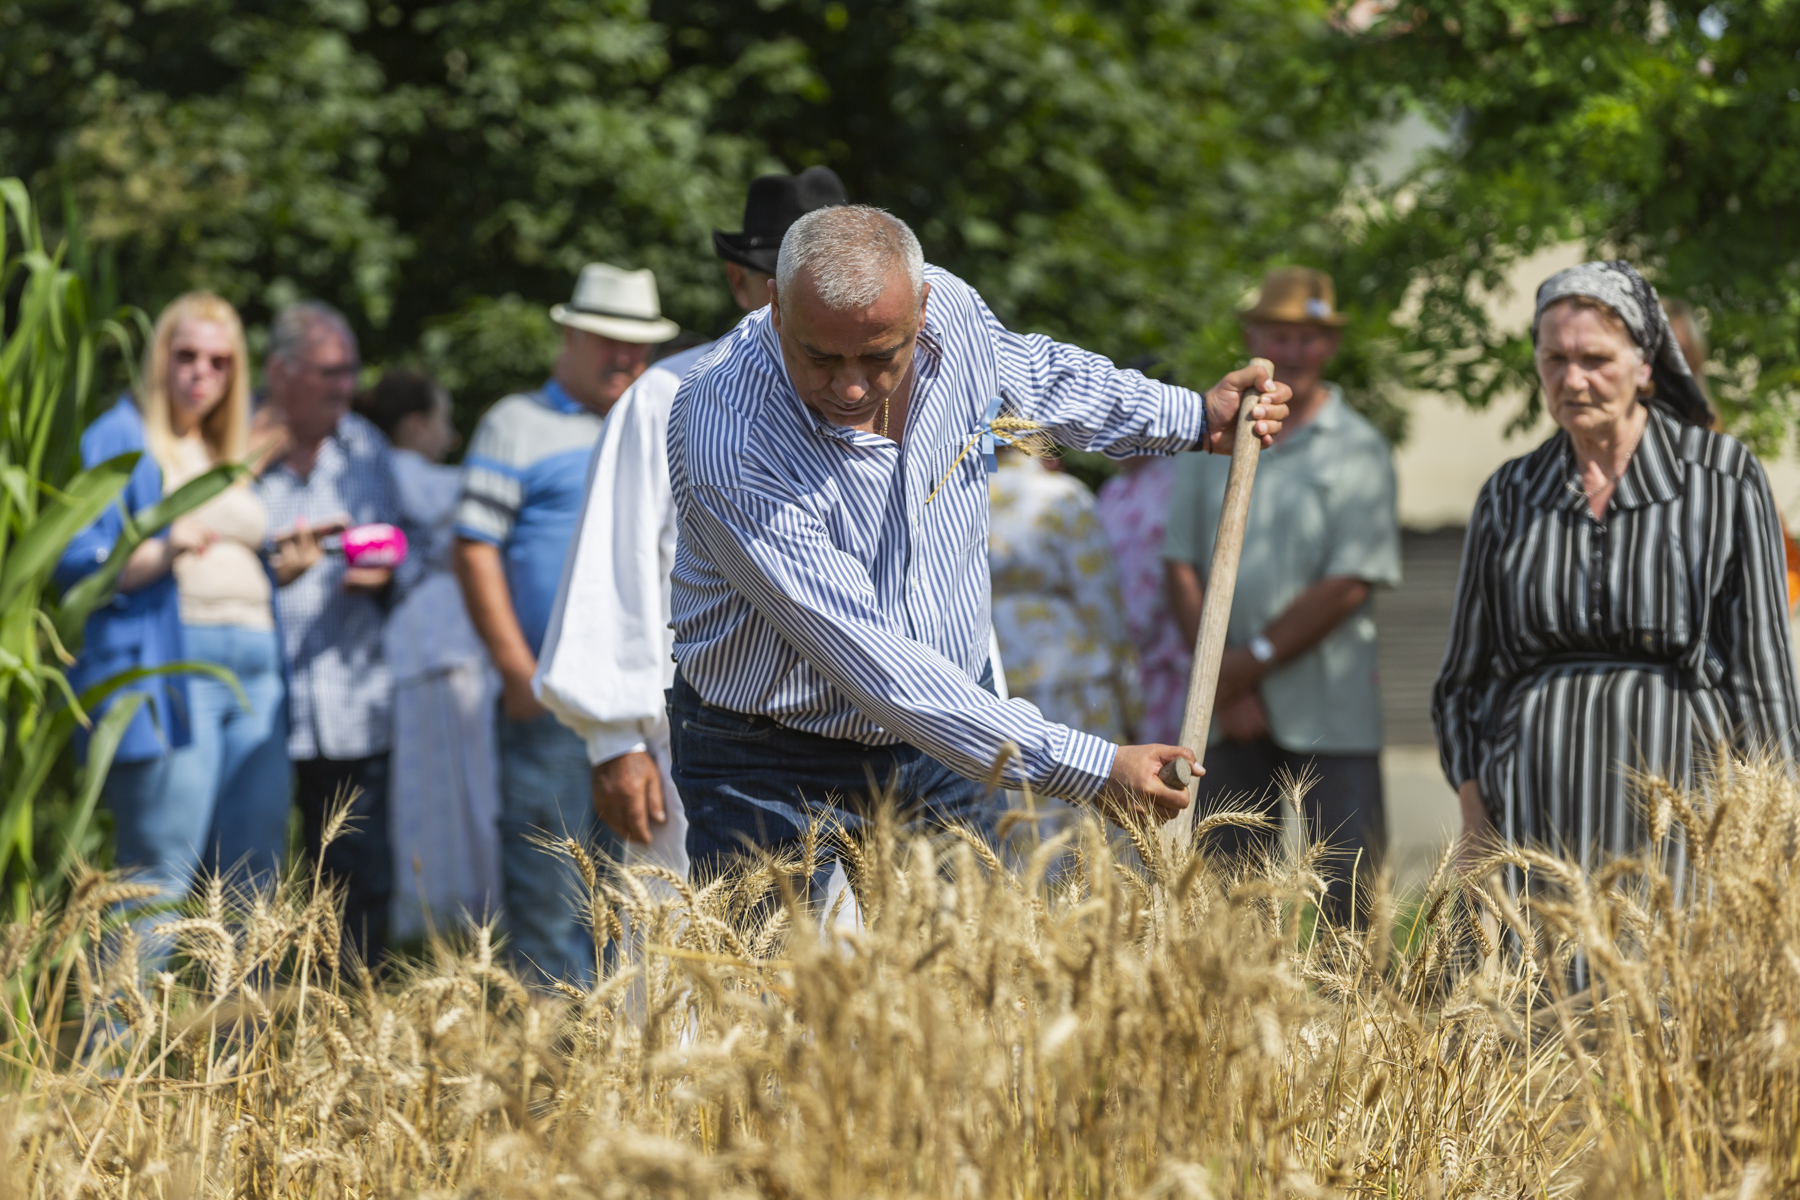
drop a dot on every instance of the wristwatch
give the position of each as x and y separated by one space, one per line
1262 650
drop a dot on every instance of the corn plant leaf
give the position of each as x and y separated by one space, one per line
49 736
14 196
97 588
36 551
17 482
188 497
94 695
109 731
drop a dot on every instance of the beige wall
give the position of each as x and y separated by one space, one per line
1451 448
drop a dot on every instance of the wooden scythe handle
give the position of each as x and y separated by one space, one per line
1215 616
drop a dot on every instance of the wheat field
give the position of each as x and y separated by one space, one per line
1075 1027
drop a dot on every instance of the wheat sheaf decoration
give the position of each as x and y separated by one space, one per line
1021 433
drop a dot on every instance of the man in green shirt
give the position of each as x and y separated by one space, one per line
1297 686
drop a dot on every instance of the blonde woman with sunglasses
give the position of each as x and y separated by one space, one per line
200 778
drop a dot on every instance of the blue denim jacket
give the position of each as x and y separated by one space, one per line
142 629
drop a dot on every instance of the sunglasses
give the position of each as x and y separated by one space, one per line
340 372
220 363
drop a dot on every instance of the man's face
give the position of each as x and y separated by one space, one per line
1299 352
845 364
596 370
314 388
749 287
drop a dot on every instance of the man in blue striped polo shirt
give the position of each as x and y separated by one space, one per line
830 590
524 480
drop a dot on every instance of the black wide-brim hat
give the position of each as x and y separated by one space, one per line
774 203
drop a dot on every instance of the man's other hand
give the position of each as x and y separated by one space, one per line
628 796
1269 397
1243 719
1134 786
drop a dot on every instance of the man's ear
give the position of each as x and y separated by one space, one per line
924 295
774 306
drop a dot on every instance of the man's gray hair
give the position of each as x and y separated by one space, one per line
297 325
849 252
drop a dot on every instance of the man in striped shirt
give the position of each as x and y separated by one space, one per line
830 590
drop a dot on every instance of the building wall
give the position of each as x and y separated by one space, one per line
1452 449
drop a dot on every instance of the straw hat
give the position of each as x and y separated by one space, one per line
616 304
1296 296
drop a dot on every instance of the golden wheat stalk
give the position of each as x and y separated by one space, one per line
1021 433
1056 1027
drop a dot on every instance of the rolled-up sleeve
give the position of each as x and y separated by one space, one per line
822 602
1364 538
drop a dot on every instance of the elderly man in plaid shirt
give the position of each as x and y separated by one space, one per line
333 470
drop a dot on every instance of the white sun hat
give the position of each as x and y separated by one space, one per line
617 304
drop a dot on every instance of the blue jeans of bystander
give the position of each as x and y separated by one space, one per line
545 792
223 798
220 802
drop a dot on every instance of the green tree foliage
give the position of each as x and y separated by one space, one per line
1667 133
1117 172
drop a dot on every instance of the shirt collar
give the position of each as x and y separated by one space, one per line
330 447
1651 477
1328 419
557 398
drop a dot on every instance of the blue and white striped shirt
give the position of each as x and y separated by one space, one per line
813 584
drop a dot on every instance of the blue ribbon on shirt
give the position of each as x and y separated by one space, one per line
990 440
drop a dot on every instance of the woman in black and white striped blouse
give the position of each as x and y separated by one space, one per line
1622 607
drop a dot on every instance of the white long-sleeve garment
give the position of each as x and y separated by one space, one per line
608 653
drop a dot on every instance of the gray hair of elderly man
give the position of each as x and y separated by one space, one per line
297 325
848 253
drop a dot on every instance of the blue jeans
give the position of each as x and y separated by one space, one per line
747 782
220 802
545 791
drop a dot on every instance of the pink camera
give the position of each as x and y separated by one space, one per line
374 546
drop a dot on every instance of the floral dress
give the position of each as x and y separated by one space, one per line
1134 511
1057 609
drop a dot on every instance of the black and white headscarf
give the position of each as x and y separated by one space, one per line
1618 285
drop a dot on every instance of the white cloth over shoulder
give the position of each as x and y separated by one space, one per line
608 653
